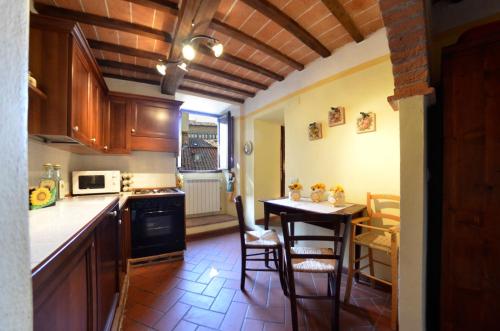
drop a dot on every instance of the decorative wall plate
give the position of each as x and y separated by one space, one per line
248 148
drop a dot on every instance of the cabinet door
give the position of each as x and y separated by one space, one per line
64 300
116 126
95 115
80 97
107 268
154 120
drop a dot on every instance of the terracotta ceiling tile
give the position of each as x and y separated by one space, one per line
329 36
142 15
367 15
254 24
120 9
310 17
88 31
310 57
107 35
164 21
239 14
339 42
328 23
370 27
110 55
95 7
143 62
295 9
224 7
269 32
354 7
127 39
145 43
68 4
161 47
280 3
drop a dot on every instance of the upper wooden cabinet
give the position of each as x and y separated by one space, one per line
66 71
116 132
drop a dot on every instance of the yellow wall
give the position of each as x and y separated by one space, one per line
360 162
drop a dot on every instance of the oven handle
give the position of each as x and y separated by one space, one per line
159 212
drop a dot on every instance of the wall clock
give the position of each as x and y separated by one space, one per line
248 148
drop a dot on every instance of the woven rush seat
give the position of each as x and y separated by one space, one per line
262 238
313 265
374 240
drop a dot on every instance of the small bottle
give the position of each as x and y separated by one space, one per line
59 181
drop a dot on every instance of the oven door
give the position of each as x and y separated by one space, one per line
156 232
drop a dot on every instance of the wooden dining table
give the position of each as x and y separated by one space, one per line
344 214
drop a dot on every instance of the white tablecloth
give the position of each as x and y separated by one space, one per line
306 204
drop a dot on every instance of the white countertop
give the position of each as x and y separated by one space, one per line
51 227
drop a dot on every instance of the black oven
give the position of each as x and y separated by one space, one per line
157 225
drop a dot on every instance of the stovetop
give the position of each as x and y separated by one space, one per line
162 190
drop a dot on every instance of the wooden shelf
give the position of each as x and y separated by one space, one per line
37 91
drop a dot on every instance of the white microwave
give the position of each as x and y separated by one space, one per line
96 182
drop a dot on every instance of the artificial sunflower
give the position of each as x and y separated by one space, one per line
41 196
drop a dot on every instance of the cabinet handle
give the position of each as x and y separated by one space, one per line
93 140
120 222
133 130
75 128
126 209
113 213
105 147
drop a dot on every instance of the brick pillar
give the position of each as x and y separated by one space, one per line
407 34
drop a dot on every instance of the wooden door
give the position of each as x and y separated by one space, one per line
107 269
470 287
154 120
116 126
80 97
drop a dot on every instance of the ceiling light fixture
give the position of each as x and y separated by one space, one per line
183 66
189 52
161 67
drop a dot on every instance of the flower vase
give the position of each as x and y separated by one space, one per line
339 199
317 195
294 195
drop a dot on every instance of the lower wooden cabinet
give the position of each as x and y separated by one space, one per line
79 288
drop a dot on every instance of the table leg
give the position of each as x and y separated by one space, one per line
357 254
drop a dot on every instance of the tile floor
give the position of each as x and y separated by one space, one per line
202 293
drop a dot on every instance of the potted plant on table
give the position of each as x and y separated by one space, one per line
295 187
337 196
318 192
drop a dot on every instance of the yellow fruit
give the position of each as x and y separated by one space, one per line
40 196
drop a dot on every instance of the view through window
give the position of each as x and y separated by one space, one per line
199 143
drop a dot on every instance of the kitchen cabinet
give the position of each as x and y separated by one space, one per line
65 69
115 125
77 288
155 124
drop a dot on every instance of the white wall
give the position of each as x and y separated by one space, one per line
15 274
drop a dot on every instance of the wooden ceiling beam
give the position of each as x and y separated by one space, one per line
163 5
275 14
103 21
242 63
133 79
151 71
255 43
210 94
194 18
344 18
218 85
223 74
101 45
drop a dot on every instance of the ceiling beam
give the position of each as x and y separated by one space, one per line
274 13
133 79
242 63
194 18
163 5
223 74
218 85
255 43
103 21
151 71
101 45
344 18
210 94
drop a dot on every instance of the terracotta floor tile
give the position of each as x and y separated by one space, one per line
234 317
176 293
143 314
185 326
172 317
204 317
197 300
223 300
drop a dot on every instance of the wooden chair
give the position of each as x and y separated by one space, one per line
266 240
382 238
314 260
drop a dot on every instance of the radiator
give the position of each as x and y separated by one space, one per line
202 196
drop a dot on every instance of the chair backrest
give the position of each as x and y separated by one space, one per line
376 203
241 217
340 229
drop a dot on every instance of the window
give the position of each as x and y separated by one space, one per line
206 142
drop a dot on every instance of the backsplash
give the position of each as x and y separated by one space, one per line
150 169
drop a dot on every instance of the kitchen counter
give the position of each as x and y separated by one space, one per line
51 228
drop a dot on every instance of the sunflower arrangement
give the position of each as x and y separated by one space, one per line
318 187
337 189
42 197
295 186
